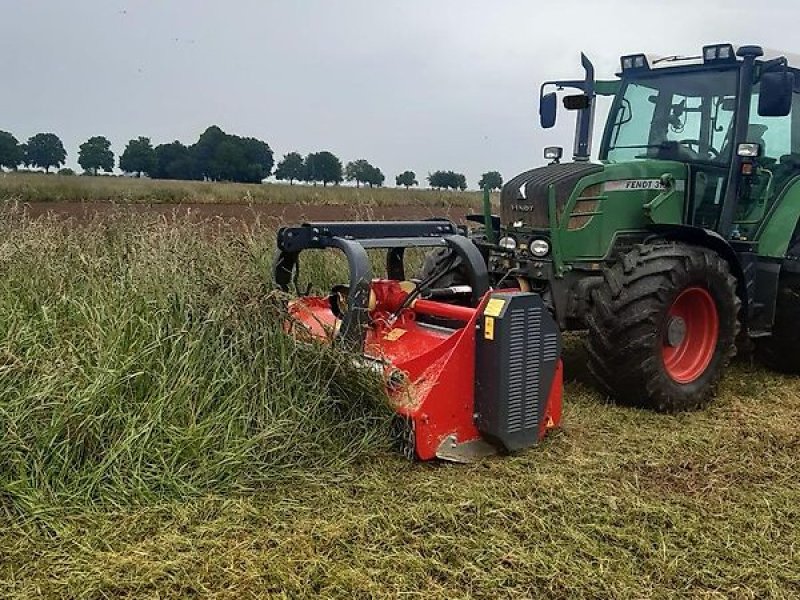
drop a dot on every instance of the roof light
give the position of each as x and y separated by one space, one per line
553 153
719 52
634 61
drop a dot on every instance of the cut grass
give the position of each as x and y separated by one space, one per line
619 504
38 187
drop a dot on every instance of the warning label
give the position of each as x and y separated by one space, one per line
494 307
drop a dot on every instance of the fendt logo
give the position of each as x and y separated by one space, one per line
630 185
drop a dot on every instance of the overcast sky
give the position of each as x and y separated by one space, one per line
419 84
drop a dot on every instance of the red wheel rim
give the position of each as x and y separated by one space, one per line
690 338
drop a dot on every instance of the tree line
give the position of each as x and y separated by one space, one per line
216 156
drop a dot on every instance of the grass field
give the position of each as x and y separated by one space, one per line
161 438
38 187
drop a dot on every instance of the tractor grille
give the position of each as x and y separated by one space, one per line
524 198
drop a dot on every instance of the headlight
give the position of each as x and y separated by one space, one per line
539 248
508 242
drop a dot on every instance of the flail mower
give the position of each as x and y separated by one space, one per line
470 370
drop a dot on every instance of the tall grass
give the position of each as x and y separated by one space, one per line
38 187
141 359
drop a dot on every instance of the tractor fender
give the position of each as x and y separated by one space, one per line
710 239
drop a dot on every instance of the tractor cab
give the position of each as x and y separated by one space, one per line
731 116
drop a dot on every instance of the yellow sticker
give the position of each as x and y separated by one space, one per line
494 306
488 328
395 334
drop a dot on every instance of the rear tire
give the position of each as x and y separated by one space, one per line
780 350
662 326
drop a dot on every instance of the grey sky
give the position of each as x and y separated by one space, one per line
419 84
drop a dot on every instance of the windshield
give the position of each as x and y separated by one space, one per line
673 116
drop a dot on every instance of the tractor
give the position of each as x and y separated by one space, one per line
682 241
678 245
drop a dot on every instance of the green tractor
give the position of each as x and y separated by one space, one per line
683 240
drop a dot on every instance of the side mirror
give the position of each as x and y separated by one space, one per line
775 94
576 102
547 110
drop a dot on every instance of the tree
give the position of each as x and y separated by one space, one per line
407 179
204 150
66 171
45 150
447 180
491 179
224 157
138 157
356 170
175 161
291 168
374 177
325 167
361 171
11 153
95 153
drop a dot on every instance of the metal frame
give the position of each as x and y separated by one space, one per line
354 238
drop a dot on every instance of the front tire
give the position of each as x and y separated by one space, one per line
780 350
662 326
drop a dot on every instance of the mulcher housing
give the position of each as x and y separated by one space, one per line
469 371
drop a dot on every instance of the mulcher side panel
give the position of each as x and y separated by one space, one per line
516 354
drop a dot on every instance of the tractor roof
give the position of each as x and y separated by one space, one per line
715 53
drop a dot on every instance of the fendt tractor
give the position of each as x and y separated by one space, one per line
678 245
682 240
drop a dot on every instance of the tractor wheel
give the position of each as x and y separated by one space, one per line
779 351
662 326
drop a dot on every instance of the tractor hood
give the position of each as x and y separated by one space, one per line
525 197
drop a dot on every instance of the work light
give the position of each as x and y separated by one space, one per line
748 150
553 153
634 61
718 52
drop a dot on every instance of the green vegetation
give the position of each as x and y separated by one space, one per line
37 187
406 179
291 168
45 151
361 171
95 154
11 151
139 157
146 361
442 180
162 438
216 156
323 167
491 179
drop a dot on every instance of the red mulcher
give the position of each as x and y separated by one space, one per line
469 370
